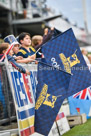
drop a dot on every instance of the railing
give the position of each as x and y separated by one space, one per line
34 9
7 105
7 110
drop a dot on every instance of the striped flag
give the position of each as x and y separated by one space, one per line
84 94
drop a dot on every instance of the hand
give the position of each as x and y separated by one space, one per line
36 62
27 72
18 58
52 28
42 55
45 31
32 57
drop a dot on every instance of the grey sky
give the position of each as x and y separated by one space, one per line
73 10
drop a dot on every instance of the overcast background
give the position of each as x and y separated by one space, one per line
73 10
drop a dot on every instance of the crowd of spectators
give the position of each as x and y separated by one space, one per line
25 49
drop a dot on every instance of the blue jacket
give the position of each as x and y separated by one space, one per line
14 64
25 53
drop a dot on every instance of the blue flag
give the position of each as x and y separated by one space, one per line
61 54
56 32
64 53
50 92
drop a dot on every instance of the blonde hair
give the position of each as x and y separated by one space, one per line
36 39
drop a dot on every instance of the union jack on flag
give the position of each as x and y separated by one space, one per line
84 94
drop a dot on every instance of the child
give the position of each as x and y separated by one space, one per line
3 48
26 50
46 37
12 40
36 40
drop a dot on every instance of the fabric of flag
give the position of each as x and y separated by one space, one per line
81 103
56 32
84 94
24 95
64 53
50 92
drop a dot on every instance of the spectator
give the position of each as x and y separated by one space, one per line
3 48
84 53
36 40
25 5
26 50
89 57
12 40
46 37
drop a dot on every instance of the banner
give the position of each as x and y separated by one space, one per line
24 89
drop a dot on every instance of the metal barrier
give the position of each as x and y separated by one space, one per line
7 110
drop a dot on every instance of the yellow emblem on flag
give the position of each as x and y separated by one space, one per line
69 62
50 100
45 98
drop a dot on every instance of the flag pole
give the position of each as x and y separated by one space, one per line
51 66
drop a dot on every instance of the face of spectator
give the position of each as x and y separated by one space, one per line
26 41
84 52
40 41
16 48
4 51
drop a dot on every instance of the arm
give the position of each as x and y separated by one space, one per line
46 37
16 66
26 60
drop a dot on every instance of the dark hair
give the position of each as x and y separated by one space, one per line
22 36
3 46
